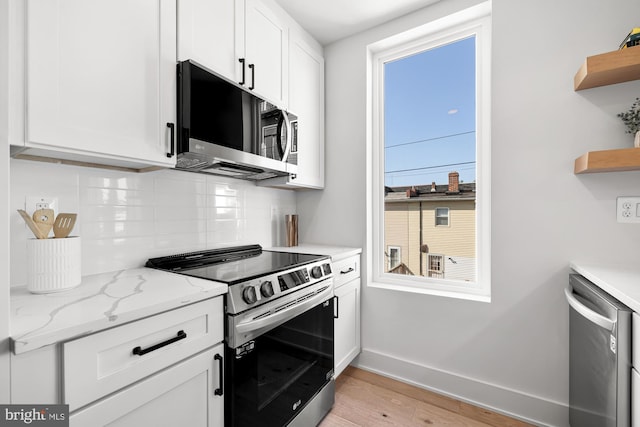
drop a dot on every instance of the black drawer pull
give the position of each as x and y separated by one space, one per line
141 352
219 390
347 271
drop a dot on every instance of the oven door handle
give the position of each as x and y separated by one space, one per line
285 314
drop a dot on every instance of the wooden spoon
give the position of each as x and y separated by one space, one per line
64 224
44 220
31 224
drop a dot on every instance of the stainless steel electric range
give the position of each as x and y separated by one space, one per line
279 332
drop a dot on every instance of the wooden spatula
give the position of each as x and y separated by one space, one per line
31 224
64 224
44 220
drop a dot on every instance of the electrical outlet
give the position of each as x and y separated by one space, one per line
33 203
628 209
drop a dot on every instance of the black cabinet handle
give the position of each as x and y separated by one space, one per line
141 352
337 306
253 76
219 390
242 62
347 271
172 131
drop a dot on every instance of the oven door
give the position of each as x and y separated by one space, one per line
272 377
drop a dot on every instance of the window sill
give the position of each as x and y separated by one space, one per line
427 289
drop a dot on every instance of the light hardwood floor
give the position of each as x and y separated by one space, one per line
366 399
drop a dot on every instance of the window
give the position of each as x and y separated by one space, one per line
436 265
395 257
429 146
442 216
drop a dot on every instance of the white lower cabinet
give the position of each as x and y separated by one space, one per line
184 394
162 370
347 323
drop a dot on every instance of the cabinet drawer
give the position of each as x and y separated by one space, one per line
346 270
104 362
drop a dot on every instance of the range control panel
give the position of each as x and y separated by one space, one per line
252 293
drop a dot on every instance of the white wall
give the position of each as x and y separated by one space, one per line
4 214
125 218
510 354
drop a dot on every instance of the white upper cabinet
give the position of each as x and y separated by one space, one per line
245 41
266 36
100 80
306 100
207 34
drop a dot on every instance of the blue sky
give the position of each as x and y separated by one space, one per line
430 115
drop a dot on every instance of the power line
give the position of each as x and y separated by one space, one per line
430 167
430 139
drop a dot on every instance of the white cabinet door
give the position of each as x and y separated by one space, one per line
347 325
207 34
265 51
182 395
306 99
100 77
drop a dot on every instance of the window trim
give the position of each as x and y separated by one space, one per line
442 264
474 20
436 216
399 249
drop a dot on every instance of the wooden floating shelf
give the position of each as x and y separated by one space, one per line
624 159
608 68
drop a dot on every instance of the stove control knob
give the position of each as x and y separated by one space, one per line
249 295
316 272
266 289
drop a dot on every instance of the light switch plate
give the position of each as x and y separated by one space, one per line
628 209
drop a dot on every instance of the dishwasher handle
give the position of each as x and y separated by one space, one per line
587 313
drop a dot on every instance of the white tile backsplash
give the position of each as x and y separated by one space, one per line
124 218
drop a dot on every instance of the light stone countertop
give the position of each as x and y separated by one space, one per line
620 281
335 252
101 301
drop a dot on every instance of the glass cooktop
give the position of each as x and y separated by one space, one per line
232 265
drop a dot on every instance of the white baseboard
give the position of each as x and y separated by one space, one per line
515 404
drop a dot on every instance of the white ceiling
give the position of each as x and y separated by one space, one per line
331 20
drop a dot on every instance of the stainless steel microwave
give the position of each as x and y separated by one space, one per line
223 129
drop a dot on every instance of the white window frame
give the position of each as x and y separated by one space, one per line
442 263
397 248
475 20
436 216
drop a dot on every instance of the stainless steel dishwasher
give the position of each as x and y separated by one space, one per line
599 357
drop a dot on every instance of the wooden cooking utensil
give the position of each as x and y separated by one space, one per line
44 220
31 224
64 224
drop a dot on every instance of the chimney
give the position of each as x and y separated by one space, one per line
412 192
433 186
453 182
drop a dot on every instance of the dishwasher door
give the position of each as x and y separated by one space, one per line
599 357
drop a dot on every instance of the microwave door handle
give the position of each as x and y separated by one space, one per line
287 147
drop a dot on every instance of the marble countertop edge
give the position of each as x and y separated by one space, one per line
101 302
